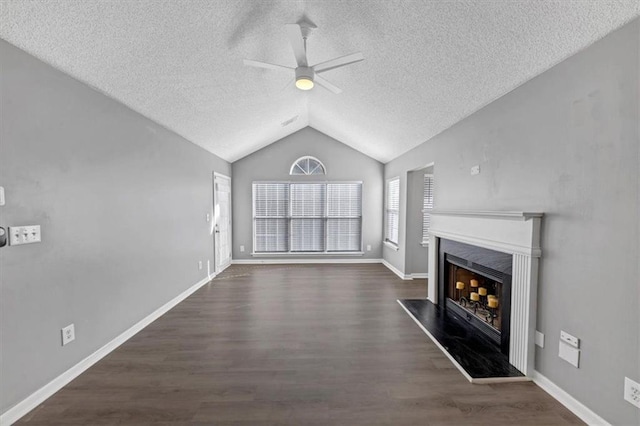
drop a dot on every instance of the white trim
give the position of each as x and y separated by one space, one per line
38 397
431 164
419 276
219 268
424 244
489 213
395 270
485 380
304 157
575 406
223 268
490 244
392 246
389 243
287 261
308 253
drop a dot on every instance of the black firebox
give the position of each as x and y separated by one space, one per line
474 284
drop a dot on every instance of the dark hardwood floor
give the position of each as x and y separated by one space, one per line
299 345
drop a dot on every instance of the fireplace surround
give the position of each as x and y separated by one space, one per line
485 236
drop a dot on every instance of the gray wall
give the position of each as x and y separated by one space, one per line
122 205
273 163
565 143
416 254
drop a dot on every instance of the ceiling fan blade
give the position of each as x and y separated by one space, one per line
327 85
338 62
297 44
258 64
289 84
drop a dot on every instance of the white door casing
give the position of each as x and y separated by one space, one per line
221 221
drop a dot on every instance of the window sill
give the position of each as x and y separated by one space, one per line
425 244
309 253
391 245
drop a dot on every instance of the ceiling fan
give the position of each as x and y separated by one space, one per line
306 76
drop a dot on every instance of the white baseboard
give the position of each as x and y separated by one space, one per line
300 261
419 276
223 268
38 397
575 406
396 270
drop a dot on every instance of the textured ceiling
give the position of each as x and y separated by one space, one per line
428 64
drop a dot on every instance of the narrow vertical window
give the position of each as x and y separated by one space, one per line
307 216
344 216
427 207
393 210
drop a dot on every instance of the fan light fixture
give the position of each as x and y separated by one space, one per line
307 76
304 83
304 78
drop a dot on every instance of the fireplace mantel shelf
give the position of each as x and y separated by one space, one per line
489 213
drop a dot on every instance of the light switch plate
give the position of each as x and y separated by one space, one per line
1 195
569 354
539 339
569 339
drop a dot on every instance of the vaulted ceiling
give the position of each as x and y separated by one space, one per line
428 64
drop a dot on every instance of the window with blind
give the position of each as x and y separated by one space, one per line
393 210
427 207
307 217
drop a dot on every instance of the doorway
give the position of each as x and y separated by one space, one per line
221 221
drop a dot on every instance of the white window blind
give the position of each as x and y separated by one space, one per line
344 216
427 207
393 210
271 211
307 217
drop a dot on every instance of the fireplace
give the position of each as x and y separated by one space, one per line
475 286
499 251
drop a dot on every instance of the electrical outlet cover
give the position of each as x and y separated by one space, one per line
632 391
68 334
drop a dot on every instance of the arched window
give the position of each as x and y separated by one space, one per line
307 165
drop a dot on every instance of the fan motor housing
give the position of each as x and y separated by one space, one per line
304 72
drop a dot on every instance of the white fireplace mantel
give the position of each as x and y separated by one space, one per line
515 233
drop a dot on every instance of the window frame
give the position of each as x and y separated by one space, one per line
325 218
307 157
388 210
426 211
